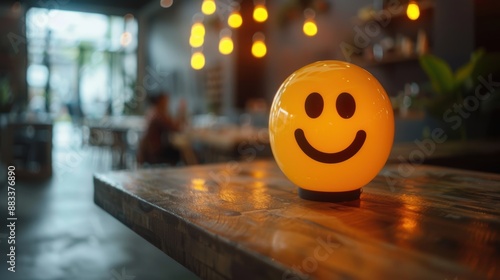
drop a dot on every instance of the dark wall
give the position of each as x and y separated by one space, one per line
13 57
454 31
487 24
250 71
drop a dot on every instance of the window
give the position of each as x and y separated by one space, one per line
80 63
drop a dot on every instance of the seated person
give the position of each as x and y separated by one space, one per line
155 146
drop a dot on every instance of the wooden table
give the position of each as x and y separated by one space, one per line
246 221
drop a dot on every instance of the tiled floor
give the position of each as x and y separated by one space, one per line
62 234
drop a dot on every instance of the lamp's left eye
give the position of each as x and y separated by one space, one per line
314 105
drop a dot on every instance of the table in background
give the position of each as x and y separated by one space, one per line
246 221
27 145
121 135
479 155
116 135
228 143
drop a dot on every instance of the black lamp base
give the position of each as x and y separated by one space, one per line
330 196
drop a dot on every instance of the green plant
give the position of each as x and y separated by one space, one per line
450 88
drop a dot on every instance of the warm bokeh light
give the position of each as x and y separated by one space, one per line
226 45
125 39
197 37
310 28
198 184
128 17
260 13
259 48
413 11
198 181
258 174
208 7
196 41
197 60
259 184
198 29
234 20
166 3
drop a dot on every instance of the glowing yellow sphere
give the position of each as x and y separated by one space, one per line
197 60
310 28
260 13
196 41
259 49
234 20
331 128
226 45
413 11
198 29
208 7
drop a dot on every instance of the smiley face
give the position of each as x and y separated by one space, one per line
346 106
331 127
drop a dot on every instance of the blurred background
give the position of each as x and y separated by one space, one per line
77 80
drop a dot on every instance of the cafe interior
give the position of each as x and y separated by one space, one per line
84 82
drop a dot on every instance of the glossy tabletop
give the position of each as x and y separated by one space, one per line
244 220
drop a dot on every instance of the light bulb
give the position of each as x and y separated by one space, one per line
310 28
413 11
260 13
198 29
166 3
208 7
235 20
197 60
128 17
197 37
226 45
125 39
196 41
259 48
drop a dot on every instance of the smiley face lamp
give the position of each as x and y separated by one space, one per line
331 128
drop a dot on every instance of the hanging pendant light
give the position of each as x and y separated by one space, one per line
260 11
235 20
226 45
259 48
197 37
413 10
197 60
309 27
208 7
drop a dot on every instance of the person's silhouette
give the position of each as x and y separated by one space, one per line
155 146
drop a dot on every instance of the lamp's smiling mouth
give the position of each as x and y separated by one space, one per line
323 157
